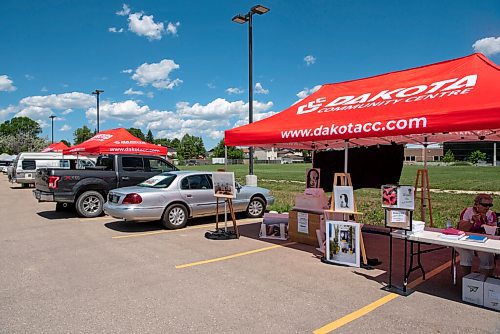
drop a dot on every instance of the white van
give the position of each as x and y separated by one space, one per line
27 163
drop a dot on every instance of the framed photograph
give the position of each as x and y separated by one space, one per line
344 198
398 197
342 243
313 178
224 185
389 196
400 219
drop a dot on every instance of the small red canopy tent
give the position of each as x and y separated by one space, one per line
455 100
115 141
55 147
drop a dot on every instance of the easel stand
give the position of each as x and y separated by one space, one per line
344 179
229 202
422 184
404 291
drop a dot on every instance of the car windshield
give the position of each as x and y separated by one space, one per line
159 181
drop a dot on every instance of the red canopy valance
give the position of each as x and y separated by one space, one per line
455 100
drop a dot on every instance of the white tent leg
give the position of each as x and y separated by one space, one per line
346 151
225 159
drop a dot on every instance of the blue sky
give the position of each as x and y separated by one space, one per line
179 67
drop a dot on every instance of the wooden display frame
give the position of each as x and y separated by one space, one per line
344 179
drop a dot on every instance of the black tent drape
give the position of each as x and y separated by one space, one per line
370 167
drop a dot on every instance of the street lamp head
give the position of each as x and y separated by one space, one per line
240 19
259 9
97 92
52 117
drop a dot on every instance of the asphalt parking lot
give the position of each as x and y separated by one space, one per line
63 274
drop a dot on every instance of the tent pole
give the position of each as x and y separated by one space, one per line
494 153
346 150
225 157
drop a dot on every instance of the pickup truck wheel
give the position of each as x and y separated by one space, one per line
89 204
256 207
175 217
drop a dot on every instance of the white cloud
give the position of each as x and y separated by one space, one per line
257 116
67 111
309 60
4 113
6 85
44 89
260 90
127 71
150 95
130 91
489 46
306 91
219 108
157 74
124 11
172 28
29 77
60 101
211 85
125 110
216 134
39 114
144 25
234 90
65 127
114 30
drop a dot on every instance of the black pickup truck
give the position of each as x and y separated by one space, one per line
87 188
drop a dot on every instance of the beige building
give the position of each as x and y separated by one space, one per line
416 154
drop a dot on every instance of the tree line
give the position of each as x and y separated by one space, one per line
22 134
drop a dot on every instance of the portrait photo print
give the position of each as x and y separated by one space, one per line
344 198
313 178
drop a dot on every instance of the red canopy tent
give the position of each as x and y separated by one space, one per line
115 141
454 100
55 147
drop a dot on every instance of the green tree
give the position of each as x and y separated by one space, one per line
20 125
20 134
449 157
191 147
149 137
21 142
67 143
137 132
232 152
82 134
477 155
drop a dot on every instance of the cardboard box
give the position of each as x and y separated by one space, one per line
473 289
306 234
492 293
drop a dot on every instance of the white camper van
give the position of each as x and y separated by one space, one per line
26 164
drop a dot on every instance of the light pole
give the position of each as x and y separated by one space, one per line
52 119
96 93
258 9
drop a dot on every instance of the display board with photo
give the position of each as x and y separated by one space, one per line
313 178
400 219
224 185
344 198
398 197
343 243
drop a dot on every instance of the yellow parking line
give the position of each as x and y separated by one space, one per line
376 304
233 255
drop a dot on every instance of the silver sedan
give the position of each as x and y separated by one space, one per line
173 197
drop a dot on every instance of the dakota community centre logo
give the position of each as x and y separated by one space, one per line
440 89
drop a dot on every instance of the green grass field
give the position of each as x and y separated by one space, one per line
286 181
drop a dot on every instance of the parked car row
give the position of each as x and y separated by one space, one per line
141 188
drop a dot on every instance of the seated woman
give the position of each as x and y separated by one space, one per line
472 220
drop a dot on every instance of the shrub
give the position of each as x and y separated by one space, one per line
448 157
477 155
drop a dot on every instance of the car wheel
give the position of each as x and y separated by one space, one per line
256 207
89 204
175 217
